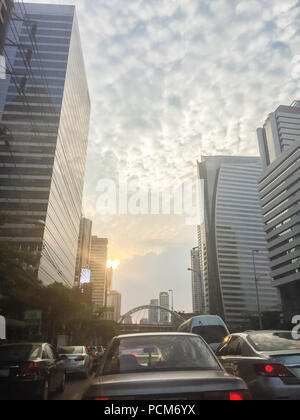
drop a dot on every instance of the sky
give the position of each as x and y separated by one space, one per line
171 80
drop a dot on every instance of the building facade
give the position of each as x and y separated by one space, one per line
98 259
164 302
114 301
232 230
83 248
154 312
45 113
279 186
197 293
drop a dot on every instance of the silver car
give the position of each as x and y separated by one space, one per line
268 361
163 366
77 360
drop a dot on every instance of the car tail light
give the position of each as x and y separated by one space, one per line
80 359
273 371
228 396
28 369
236 396
101 399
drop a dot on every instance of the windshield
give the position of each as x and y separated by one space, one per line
19 353
211 333
71 350
274 341
156 353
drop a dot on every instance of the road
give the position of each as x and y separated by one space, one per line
75 387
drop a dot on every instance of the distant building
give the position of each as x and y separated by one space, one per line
83 249
98 261
108 314
114 301
128 320
197 292
154 312
233 227
164 301
279 187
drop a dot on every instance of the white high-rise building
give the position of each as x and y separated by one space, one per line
114 301
197 292
164 301
154 312
233 229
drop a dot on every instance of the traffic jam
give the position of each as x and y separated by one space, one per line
201 361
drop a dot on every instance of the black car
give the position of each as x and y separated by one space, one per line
30 371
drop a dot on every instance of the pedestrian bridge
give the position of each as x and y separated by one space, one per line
149 318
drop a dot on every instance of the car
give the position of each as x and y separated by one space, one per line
211 328
163 366
77 360
30 371
268 361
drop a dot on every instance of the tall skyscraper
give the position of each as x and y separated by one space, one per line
164 301
279 186
45 112
153 312
83 249
98 260
233 228
114 301
197 292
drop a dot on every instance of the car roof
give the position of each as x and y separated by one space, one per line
254 332
161 334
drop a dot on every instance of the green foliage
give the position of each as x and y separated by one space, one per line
65 310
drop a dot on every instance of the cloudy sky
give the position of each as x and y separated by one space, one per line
171 80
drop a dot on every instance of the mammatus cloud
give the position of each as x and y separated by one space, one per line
171 80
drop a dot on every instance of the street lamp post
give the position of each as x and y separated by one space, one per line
255 251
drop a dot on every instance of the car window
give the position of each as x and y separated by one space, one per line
20 353
72 350
155 353
54 352
211 333
276 341
235 347
223 348
48 354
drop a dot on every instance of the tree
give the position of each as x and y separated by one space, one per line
65 310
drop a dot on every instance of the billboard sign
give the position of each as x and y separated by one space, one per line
85 277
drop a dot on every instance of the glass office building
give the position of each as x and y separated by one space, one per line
232 234
45 113
279 187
